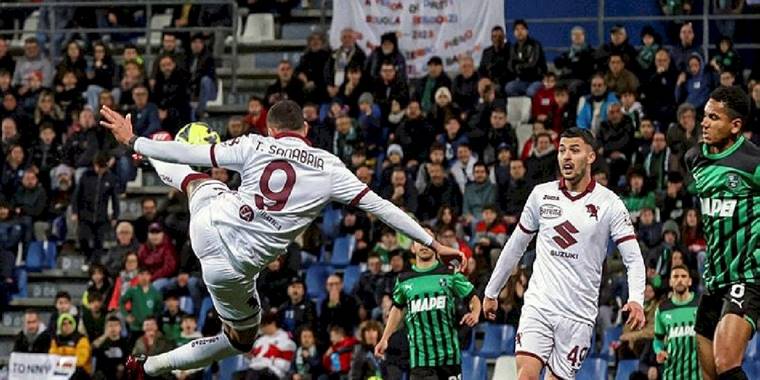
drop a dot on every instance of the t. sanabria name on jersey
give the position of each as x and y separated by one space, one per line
301 155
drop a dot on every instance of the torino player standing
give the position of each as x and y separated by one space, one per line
235 234
575 219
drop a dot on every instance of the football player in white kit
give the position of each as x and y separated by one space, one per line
575 219
285 185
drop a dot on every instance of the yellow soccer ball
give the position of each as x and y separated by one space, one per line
197 133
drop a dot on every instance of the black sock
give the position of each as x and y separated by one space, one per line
736 373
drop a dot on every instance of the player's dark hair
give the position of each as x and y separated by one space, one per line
681 266
285 115
734 100
584 134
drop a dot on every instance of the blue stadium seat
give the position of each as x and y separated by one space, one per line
49 254
316 276
751 369
593 368
186 305
342 249
34 257
331 218
206 305
228 366
474 367
610 335
21 278
626 368
753 349
498 340
351 278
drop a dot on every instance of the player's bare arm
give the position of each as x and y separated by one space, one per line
471 319
394 319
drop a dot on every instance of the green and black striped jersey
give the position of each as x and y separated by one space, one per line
728 185
429 298
674 325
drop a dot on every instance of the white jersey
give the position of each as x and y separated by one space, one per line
573 235
285 185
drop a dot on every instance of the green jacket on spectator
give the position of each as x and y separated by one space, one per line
145 302
477 195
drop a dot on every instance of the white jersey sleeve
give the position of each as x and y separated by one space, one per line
530 214
234 154
347 189
624 236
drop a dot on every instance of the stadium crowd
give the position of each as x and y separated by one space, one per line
440 147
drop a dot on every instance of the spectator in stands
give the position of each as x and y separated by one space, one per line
93 320
526 61
675 198
5 82
348 54
651 42
658 91
462 169
110 351
171 319
72 61
727 58
68 342
389 87
491 228
13 170
414 134
307 363
512 198
145 120
10 135
542 165
692 232
311 68
132 75
149 216
499 173
286 86
727 79
30 201
439 192
754 113
487 101
369 125
32 61
256 118
90 206
63 305
364 364
273 283
347 138
477 194
35 337
29 93
635 344
99 282
648 230
695 85
353 87
685 49
400 191
593 109
387 244
159 256
7 63
436 155
189 331
465 84
530 144
563 113
125 243
638 195
144 302
500 132
338 309
618 78
495 59
387 51
631 107
101 74
618 44
68 95
297 311
659 258
126 279
46 152
370 288
272 352
659 162
202 68
443 110
152 342
543 101
338 358
511 298
426 88
683 135
169 47
577 64
616 142
172 94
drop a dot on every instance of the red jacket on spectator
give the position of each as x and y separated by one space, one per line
344 349
160 260
542 103
257 125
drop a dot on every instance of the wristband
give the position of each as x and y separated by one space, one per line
132 141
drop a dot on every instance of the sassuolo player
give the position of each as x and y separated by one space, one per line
426 297
285 185
726 172
575 218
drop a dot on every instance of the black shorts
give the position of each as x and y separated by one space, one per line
444 372
740 299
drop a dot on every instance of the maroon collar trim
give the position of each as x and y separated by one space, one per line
563 187
292 134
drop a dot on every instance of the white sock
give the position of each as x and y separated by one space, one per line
199 353
175 175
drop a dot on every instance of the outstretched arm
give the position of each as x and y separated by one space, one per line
508 258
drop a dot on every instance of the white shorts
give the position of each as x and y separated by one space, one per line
233 293
559 343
